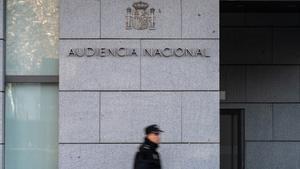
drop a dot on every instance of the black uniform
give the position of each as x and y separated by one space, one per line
147 157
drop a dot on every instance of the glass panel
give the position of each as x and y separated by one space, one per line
32 37
31 126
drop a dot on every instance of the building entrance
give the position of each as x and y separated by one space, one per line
232 139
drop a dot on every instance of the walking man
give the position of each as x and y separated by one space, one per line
147 157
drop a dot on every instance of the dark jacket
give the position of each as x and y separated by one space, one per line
147 157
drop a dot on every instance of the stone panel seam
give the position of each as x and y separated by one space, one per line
100 117
181 18
276 27
80 154
103 91
122 143
274 141
4 19
263 102
4 58
100 13
138 38
272 114
140 65
181 117
260 64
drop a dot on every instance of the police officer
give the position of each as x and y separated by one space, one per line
147 157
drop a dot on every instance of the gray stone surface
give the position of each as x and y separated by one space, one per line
273 84
286 121
200 18
259 155
79 19
97 156
181 73
286 155
200 117
190 156
70 156
258 122
89 113
125 114
78 117
275 155
246 46
286 46
99 73
103 156
113 19
233 82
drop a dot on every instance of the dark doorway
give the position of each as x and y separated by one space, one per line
232 139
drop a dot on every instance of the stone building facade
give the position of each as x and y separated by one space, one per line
124 64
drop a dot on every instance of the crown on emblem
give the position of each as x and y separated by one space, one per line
140 5
139 17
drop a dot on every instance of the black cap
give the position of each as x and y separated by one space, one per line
152 129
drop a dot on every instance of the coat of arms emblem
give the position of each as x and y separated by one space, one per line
139 17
